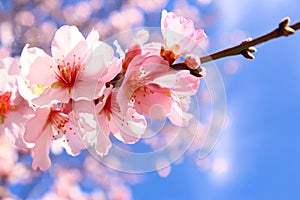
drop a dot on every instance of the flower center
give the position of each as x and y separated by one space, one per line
5 105
67 73
107 108
170 55
61 123
58 120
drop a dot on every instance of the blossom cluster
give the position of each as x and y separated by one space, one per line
53 98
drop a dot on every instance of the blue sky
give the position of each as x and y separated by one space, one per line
261 145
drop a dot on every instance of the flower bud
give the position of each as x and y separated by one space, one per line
202 71
192 61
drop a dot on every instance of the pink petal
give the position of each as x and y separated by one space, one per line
139 39
154 66
103 143
179 32
37 66
65 39
164 22
128 127
179 117
36 125
129 122
199 35
24 90
187 44
4 79
13 66
125 137
155 104
72 141
51 95
166 81
111 71
105 94
92 37
84 106
98 59
15 129
85 89
75 55
81 109
41 149
152 48
141 71
186 84
175 23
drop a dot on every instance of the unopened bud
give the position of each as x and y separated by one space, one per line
285 22
202 71
248 55
288 31
252 49
284 28
192 61
247 40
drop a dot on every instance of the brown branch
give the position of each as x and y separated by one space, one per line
246 48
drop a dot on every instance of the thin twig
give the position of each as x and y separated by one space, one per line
246 48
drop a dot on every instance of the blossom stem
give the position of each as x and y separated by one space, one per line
246 48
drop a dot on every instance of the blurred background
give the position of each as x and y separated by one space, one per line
257 155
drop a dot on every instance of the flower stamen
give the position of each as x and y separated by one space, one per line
5 105
67 73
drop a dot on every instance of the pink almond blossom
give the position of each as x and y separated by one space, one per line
127 126
51 123
14 110
72 71
157 91
180 36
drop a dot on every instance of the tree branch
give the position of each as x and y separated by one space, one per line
246 48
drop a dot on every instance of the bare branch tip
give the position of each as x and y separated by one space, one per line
284 28
246 48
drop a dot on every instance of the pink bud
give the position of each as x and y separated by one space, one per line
192 61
